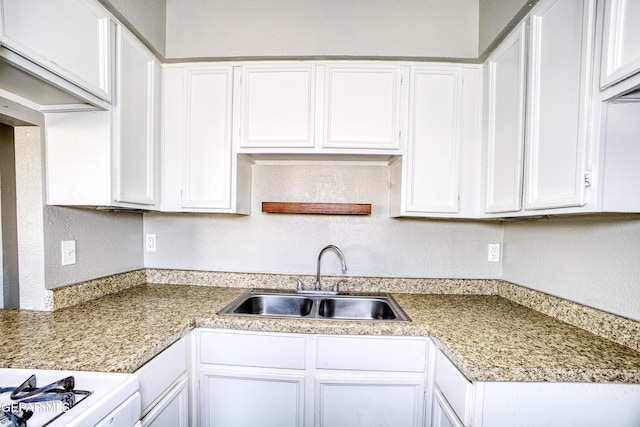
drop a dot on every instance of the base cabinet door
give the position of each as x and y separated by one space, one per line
443 415
172 410
248 398
369 401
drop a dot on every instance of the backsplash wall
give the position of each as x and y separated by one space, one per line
374 245
591 260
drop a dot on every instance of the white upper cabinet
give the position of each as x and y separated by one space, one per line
442 122
433 149
621 41
505 79
577 152
136 123
362 107
561 48
110 158
278 106
201 172
319 107
71 38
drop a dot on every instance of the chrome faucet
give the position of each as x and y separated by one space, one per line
344 265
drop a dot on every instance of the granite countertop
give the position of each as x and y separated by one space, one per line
488 337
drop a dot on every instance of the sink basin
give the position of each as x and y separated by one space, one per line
356 308
271 303
275 305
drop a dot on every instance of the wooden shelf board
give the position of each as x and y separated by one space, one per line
317 208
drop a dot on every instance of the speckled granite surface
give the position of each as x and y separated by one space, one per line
67 296
615 328
353 284
489 337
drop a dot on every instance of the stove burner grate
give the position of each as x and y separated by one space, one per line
27 399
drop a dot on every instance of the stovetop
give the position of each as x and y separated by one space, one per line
38 398
37 403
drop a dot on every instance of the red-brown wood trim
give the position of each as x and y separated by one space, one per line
317 208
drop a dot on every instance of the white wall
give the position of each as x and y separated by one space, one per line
593 261
374 245
257 28
148 17
106 243
29 150
494 16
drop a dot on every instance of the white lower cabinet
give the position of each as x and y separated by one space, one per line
458 402
368 400
172 410
367 381
442 414
251 397
164 387
269 379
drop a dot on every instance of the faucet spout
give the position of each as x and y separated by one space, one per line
340 255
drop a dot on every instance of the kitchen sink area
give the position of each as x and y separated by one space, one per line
284 304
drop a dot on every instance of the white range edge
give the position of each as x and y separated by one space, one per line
114 401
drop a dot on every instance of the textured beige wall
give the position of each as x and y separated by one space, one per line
494 16
256 28
149 17
9 295
374 245
594 261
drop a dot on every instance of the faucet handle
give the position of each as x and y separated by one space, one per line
299 286
337 284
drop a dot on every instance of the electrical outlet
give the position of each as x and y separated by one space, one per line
68 248
150 242
493 252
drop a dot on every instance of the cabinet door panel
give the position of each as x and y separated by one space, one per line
249 399
172 410
505 83
278 105
443 415
363 402
207 150
69 37
621 41
138 96
434 141
561 46
362 107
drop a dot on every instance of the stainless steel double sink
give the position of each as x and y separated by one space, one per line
273 303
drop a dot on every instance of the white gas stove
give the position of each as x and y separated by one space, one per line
37 398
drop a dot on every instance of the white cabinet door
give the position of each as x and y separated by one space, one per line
201 172
386 401
69 37
433 153
206 180
559 94
366 381
278 106
621 41
362 107
443 415
172 410
249 398
505 83
136 122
